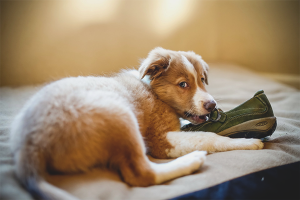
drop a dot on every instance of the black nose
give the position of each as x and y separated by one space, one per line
209 105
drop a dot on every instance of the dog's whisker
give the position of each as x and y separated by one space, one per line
219 100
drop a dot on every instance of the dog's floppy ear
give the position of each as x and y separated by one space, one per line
155 64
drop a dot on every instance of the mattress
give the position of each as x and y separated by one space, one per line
230 85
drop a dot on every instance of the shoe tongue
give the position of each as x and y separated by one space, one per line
258 92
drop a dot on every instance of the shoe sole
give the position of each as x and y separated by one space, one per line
257 128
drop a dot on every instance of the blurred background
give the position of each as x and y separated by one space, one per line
47 40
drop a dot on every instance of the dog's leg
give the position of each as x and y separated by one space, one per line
137 170
181 166
186 142
142 172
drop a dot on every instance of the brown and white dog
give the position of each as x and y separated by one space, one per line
75 124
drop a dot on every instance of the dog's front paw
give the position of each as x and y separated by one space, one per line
250 144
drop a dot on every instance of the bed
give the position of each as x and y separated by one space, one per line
224 175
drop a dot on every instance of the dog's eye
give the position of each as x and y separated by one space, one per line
183 84
202 79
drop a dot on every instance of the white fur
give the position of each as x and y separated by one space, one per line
189 66
201 97
179 167
187 142
135 73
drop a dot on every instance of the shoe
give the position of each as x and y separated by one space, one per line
252 119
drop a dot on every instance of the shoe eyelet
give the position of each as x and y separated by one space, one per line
218 117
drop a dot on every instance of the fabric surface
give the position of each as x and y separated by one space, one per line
281 182
230 85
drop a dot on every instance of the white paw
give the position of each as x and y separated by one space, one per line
197 154
251 144
181 166
192 161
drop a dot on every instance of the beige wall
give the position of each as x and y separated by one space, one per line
46 40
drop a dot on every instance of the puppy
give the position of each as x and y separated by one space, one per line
75 124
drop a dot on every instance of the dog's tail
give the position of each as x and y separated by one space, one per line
29 168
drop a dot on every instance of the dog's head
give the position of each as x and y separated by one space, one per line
178 78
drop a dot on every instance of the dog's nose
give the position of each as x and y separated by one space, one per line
209 105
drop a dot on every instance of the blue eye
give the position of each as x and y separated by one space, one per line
202 79
183 84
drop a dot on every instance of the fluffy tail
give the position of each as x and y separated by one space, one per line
29 168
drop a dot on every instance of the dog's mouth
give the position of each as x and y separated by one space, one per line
196 119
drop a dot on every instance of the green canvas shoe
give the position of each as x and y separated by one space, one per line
252 119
